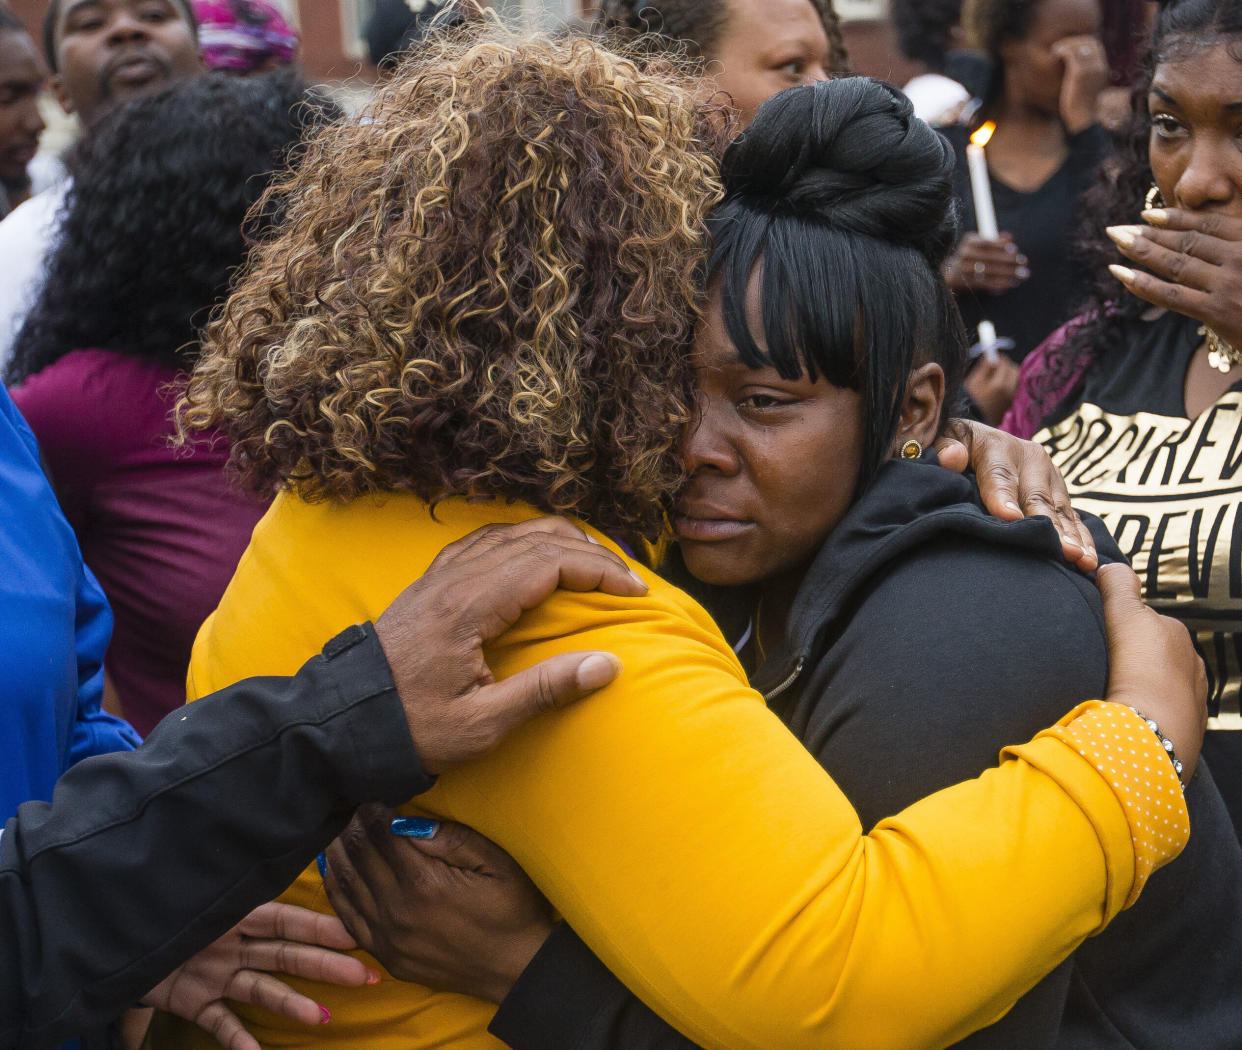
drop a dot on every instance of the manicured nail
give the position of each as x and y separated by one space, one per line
1022 273
638 579
1156 216
322 863
325 1015
1126 236
414 827
1122 273
598 670
1013 506
372 977
592 539
1011 248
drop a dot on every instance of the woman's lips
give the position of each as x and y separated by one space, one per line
707 529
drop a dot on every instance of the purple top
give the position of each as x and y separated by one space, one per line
1025 414
160 527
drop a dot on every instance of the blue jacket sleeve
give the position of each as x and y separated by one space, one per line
95 732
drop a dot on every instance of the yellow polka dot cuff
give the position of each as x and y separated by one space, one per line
1121 746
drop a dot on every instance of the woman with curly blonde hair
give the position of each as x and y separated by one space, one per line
480 307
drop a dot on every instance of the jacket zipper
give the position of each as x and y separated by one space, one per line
789 680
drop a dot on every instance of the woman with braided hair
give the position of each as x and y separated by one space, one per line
753 48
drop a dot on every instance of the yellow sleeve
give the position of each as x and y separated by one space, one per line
688 836
713 866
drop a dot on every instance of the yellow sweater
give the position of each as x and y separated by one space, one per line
686 834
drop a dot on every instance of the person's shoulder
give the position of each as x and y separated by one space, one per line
32 221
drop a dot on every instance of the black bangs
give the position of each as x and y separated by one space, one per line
859 311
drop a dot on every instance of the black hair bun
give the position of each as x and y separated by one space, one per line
849 153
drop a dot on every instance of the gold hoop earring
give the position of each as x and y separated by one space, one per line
1154 199
911 449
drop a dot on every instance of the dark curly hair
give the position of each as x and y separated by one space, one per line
1117 197
923 28
487 286
846 199
153 220
694 26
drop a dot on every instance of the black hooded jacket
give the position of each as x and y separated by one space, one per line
925 637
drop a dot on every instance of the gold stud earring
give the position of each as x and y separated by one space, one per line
911 449
1154 199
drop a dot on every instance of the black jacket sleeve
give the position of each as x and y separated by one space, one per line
566 999
143 858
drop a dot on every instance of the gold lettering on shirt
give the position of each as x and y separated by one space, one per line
1170 491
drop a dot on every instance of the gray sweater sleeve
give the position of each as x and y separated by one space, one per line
143 858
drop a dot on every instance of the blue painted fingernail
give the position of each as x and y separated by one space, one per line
414 827
322 863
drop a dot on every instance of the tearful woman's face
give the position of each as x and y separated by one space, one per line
1195 145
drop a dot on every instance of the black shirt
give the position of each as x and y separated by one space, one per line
1044 224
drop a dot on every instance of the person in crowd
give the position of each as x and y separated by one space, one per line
100 52
244 36
22 75
397 25
752 48
926 33
344 730
1137 398
1049 68
462 322
864 591
152 233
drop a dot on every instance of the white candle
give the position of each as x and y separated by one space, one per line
980 187
987 341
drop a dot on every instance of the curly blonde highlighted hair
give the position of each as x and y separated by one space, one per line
487 286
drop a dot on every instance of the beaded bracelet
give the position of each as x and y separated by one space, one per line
1165 743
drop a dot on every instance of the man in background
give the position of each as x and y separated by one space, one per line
100 52
22 76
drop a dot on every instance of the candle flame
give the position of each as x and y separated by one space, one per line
983 135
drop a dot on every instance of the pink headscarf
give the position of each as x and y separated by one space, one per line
244 36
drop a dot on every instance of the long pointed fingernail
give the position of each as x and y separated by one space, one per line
598 670
325 1015
1122 273
1126 236
1156 216
638 579
372 977
414 827
321 862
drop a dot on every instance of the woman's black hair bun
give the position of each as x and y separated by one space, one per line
849 153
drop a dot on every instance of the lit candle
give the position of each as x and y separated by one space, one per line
980 188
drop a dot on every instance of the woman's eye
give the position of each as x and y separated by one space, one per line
793 68
1166 127
759 401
